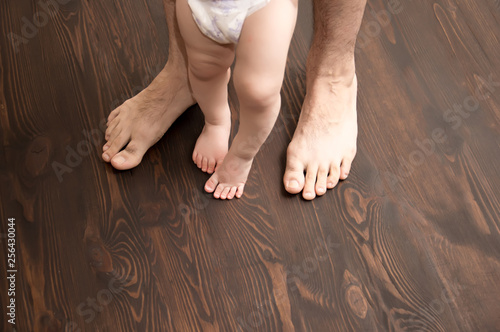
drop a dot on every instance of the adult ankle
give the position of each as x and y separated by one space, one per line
332 71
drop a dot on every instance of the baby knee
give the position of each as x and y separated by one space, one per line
205 69
258 92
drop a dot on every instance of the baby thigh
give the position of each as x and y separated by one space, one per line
262 52
206 58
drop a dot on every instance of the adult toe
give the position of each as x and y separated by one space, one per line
130 157
309 191
113 147
111 127
345 168
333 177
113 135
294 176
321 180
113 114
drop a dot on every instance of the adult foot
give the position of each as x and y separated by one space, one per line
211 147
230 177
324 143
142 120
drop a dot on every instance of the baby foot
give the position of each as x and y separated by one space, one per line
230 177
211 147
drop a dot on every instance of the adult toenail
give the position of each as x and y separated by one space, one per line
293 184
119 160
105 157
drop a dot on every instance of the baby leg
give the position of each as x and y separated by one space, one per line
208 69
258 75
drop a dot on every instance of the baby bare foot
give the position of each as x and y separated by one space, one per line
211 147
324 143
229 178
142 120
212 144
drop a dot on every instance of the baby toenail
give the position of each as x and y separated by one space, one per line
105 148
292 184
119 160
308 194
105 157
330 184
321 190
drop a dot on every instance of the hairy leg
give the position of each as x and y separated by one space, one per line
208 68
258 75
324 143
142 120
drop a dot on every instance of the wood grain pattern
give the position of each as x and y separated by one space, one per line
410 242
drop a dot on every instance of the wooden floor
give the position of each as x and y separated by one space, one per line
410 242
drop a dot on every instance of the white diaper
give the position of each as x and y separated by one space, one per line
222 20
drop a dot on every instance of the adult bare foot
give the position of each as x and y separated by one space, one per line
324 143
142 120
